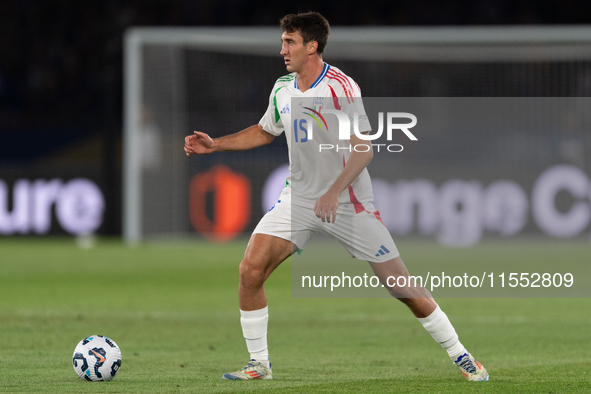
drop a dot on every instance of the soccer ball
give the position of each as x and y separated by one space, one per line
97 358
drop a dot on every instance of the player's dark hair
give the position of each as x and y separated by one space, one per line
311 25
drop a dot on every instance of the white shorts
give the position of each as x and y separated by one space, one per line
363 234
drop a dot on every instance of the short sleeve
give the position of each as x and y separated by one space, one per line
271 121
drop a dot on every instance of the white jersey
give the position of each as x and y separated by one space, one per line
314 171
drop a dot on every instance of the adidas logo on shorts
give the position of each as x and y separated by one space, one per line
382 251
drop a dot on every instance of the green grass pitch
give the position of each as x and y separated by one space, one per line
173 310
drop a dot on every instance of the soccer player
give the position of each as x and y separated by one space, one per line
329 185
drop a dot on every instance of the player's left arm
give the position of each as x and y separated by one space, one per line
326 206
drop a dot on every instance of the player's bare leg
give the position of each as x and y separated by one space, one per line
433 319
418 299
263 254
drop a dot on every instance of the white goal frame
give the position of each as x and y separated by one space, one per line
441 44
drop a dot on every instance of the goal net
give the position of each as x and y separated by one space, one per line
218 80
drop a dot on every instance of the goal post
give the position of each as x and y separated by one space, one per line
180 79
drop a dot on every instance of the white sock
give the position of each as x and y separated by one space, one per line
438 325
254 328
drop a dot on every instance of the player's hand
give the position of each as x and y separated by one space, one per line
198 144
326 207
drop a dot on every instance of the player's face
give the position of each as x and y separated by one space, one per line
293 51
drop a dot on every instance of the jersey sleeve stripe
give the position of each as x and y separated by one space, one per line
342 80
345 89
348 81
286 78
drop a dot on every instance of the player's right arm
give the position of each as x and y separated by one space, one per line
252 137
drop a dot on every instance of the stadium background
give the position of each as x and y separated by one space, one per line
61 89
172 307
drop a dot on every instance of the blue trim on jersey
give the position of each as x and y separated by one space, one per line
322 74
317 81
